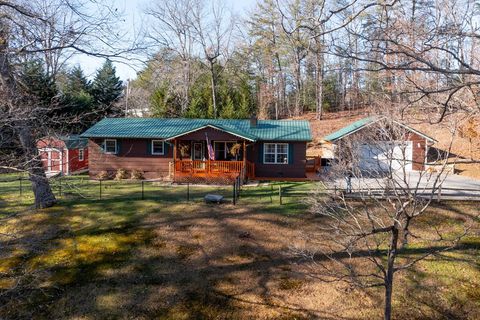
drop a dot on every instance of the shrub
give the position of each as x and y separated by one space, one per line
136 175
103 175
121 174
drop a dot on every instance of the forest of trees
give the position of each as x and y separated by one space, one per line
284 58
70 95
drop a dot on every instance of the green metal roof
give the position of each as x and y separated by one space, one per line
359 124
74 141
350 129
266 130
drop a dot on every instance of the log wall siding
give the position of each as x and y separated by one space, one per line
297 169
133 155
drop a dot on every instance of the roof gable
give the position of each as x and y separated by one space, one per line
365 122
161 128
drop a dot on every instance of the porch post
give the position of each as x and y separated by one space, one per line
174 158
244 161
174 150
244 153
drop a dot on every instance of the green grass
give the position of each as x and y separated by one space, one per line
168 258
17 196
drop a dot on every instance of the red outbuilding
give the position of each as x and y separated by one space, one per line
64 154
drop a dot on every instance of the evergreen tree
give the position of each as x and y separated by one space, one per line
77 101
107 88
37 84
77 81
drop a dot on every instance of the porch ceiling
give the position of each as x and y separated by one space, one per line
217 127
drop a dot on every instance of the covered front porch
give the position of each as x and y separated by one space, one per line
211 156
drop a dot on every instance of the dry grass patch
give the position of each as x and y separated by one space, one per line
155 260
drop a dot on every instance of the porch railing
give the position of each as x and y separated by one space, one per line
208 166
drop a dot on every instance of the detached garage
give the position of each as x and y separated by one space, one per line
378 144
66 155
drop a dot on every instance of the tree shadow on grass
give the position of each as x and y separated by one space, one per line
139 259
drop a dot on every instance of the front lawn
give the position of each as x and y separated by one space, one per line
168 258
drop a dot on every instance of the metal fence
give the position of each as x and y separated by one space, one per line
82 187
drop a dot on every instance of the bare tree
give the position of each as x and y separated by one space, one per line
213 26
51 30
429 62
371 223
172 28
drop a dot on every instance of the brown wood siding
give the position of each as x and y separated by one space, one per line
418 151
297 169
133 155
213 134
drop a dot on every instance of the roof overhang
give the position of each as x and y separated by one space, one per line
432 140
227 130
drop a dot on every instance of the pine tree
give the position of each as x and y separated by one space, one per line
77 81
228 109
107 88
77 99
37 84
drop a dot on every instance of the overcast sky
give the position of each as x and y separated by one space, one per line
133 20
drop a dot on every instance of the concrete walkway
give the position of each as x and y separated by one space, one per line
452 186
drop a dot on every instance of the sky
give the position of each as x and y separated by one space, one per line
133 9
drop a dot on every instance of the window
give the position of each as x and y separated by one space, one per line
223 151
80 155
220 150
157 147
110 146
275 153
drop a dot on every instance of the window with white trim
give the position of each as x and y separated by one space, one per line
111 146
275 153
157 147
80 154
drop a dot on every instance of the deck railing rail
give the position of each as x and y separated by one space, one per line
208 166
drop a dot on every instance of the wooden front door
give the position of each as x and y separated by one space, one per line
197 151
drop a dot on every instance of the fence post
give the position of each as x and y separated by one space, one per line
271 193
234 195
238 186
439 196
60 187
143 196
188 191
280 193
100 189
21 187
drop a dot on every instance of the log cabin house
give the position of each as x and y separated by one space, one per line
200 150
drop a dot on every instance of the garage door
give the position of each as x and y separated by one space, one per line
383 156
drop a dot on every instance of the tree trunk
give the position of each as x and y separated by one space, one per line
214 99
44 196
318 79
41 188
392 253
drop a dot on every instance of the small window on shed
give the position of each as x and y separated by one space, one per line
80 155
